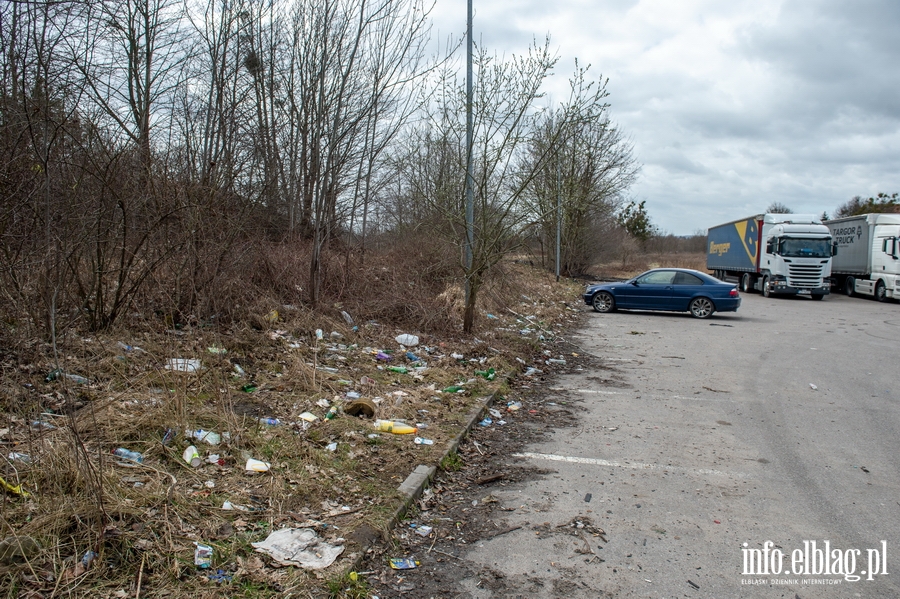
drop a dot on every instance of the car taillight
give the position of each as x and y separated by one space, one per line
733 292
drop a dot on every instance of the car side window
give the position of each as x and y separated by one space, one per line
683 278
662 277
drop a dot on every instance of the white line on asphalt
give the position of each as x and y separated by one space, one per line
632 465
585 391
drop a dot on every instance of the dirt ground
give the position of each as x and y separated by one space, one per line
461 511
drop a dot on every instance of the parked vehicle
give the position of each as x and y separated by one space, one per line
773 253
672 289
868 258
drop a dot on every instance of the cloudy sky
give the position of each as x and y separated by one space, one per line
731 104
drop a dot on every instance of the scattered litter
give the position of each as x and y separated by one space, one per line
213 349
423 441
491 317
587 498
331 447
192 457
456 356
271 316
452 389
88 558
336 335
412 357
403 563
407 340
424 531
210 437
514 406
299 547
813 387
308 416
15 456
58 374
14 489
203 555
220 576
350 395
495 413
183 365
249 388
125 454
229 506
400 369
489 374
486 422
367 380
331 413
531 371
323 403
40 425
395 427
269 421
347 317
383 357
257 466
238 371
129 348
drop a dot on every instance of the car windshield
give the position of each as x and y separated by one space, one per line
806 248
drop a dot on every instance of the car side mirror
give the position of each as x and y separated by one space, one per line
633 282
834 248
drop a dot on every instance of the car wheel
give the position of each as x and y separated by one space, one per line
702 307
880 291
818 297
766 290
604 302
746 282
849 285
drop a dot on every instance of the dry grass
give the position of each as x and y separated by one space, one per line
142 520
637 264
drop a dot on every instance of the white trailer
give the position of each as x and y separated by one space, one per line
867 261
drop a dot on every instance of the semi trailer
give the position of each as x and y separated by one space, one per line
868 257
775 254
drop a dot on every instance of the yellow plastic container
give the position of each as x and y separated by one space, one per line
397 428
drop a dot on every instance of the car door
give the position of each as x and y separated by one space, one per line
685 287
653 290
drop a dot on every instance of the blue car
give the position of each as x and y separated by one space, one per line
673 289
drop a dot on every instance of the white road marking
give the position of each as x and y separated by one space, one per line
594 391
631 465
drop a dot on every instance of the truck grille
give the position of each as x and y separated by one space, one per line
805 275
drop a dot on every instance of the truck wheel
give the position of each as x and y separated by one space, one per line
818 297
746 282
849 285
880 292
765 287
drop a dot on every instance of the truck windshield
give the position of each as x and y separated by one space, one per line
806 248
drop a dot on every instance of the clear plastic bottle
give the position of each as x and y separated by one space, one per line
127 454
211 437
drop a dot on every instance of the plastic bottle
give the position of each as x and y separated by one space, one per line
331 413
270 421
452 389
400 369
126 454
397 428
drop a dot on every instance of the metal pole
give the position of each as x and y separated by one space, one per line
558 212
470 177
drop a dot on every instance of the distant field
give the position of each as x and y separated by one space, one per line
639 263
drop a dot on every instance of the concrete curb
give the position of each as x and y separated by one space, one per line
411 488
